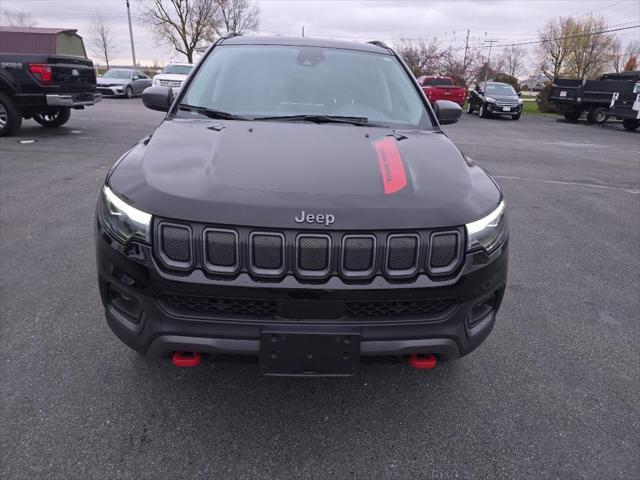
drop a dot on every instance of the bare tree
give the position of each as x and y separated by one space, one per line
553 49
103 41
590 47
236 16
421 56
460 67
18 18
182 24
620 56
512 60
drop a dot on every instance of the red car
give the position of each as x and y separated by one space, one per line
442 88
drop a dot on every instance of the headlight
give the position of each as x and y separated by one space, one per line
488 232
121 220
520 101
490 99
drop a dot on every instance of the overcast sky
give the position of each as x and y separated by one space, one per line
388 20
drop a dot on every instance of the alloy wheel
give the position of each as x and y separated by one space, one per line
4 116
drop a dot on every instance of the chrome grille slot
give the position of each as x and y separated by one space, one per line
175 245
220 250
267 253
444 252
358 256
313 255
402 255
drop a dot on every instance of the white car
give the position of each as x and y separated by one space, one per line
173 75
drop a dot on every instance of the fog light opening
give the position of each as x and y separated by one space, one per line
125 304
482 310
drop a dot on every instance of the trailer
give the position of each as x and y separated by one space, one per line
612 95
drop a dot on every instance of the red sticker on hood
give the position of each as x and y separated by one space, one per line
392 171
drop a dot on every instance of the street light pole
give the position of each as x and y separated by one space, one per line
133 49
486 70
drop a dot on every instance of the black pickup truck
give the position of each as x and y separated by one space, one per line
612 95
42 86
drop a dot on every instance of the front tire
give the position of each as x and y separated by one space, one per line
516 116
53 117
482 113
631 125
128 92
598 115
10 117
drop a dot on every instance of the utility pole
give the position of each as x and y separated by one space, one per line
486 69
464 62
133 49
303 30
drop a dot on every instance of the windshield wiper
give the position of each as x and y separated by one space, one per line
318 119
211 112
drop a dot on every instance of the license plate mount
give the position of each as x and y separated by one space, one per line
506 109
309 354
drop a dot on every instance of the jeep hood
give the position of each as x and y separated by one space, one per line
265 173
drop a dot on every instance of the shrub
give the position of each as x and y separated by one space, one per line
544 105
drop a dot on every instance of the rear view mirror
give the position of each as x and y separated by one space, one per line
447 112
157 98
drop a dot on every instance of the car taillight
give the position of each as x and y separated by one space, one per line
42 73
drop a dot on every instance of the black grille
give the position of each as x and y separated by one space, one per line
358 254
267 251
268 308
444 249
176 243
311 256
402 253
216 306
313 253
221 249
399 308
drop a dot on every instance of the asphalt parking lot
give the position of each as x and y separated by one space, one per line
553 392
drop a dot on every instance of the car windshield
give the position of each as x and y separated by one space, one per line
278 81
178 69
500 89
437 81
117 74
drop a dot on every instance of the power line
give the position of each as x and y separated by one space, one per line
589 34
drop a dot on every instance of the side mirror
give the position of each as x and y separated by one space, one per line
447 112
157 98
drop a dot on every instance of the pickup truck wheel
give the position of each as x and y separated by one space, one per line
128 92
10 117
54 117
598 116
630 124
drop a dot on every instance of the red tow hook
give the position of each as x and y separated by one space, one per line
186 359
422 361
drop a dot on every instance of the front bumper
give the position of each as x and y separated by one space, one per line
73 100
504 110
158 329
113 91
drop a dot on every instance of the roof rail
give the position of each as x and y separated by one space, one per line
231 35
379 43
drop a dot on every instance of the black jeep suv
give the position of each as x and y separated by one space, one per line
300 204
